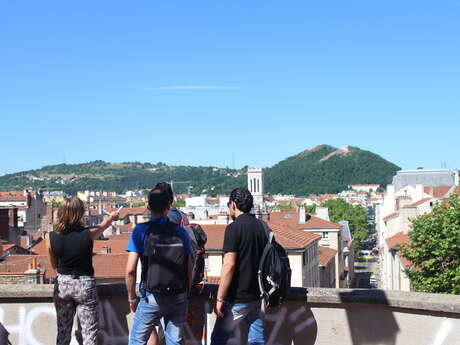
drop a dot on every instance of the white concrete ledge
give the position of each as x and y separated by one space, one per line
397 299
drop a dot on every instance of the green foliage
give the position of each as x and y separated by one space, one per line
302 174
287 207
434 249
306 173
55 204
99 175
179 203
139 204
310 209
356 216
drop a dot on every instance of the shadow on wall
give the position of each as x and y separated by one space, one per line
292 323
113 325
4 335
379 323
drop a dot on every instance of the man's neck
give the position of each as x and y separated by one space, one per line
158 214
238 213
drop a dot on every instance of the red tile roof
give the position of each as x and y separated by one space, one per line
420 202
291 217
122 237
437 191
125 227
13 249
318 223
213 201
105 265
110 265
394 242
40 248
285 235
406 262
8 246
215 234
390 216
12 196
114 246
397 240
327 196
292 237
131 211
325 255
18 264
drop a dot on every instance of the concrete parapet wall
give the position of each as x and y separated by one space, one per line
310 316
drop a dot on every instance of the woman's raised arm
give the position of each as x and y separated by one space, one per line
98 229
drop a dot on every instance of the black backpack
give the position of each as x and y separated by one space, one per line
198 240
274 273
164 263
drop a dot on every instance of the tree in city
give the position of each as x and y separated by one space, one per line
434 249
356 216
55 204
311 209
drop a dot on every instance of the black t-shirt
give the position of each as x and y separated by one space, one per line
73 251
246 237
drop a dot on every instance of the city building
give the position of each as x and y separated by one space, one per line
331 236
256 186
413 193
302 249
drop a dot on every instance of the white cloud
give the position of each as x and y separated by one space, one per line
194 87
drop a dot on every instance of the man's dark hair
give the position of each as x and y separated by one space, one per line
165 186
159 200
243 199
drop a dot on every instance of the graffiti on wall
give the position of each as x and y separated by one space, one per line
25 325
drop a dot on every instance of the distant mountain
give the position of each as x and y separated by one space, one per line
321 169
326 169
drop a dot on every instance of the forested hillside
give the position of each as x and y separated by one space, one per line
322 169
326 169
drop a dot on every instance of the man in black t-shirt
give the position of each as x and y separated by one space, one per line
238 297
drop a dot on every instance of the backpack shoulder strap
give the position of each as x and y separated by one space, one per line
268 231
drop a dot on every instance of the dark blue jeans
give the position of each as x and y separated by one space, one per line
234 314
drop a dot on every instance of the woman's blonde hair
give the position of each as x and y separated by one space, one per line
70 214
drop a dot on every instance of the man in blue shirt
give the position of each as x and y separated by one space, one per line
169 303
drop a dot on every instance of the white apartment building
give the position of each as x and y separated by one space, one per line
403 201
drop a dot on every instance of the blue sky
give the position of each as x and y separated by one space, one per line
195 82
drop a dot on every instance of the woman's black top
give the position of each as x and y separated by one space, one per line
74 251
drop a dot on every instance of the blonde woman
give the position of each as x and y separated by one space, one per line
70 250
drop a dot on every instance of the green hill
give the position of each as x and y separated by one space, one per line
326 169
322 169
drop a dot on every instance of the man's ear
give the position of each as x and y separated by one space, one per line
148 207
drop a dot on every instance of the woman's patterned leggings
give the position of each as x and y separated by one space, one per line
76 294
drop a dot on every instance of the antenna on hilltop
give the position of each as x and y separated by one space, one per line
233 160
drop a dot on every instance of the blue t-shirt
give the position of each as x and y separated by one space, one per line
137 239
